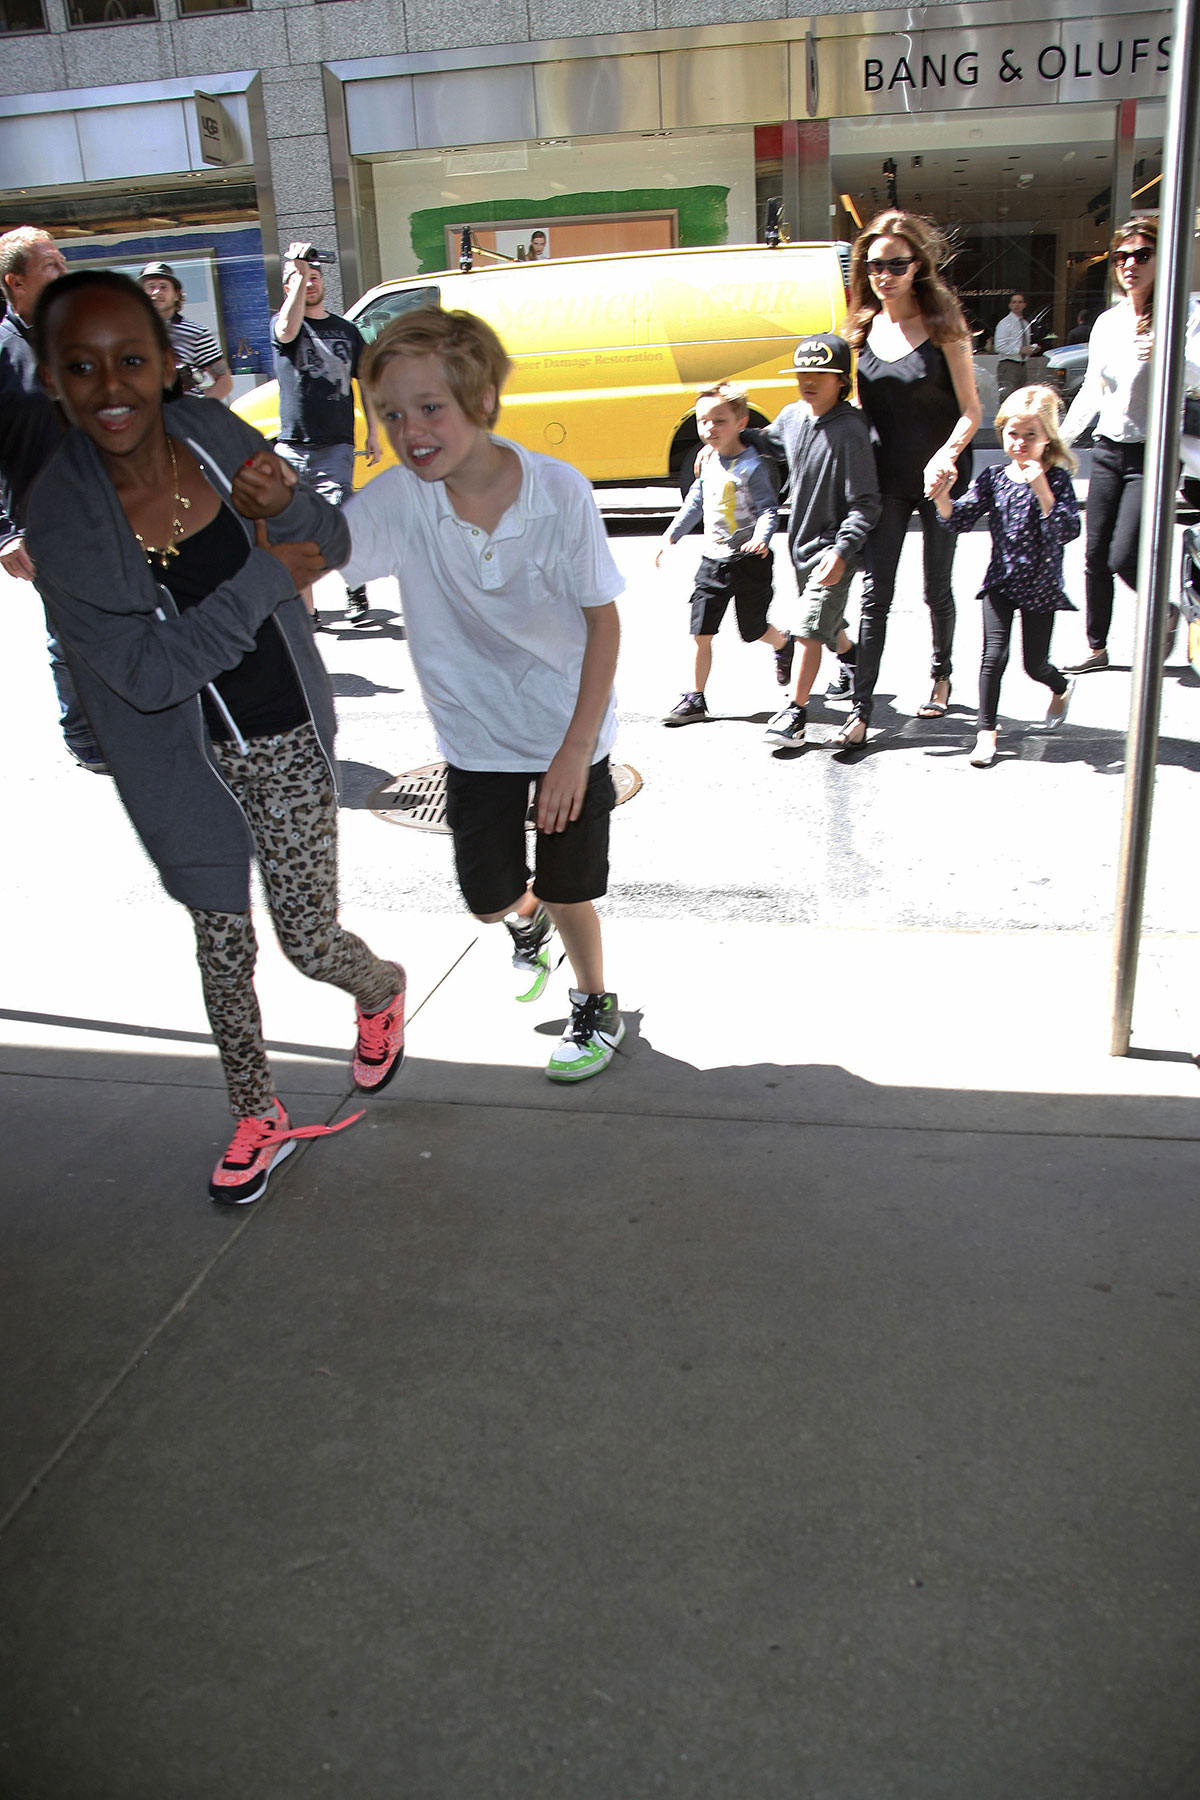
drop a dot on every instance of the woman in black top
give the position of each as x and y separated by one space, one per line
171 545
916 385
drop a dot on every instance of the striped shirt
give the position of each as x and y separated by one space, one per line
195 348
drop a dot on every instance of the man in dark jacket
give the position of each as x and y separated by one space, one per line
29 435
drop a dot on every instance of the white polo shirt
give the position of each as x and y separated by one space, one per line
494 623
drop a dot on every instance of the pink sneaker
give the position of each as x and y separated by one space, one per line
380 1048
257 1145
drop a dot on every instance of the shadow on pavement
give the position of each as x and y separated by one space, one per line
358 687
710 1432
358 782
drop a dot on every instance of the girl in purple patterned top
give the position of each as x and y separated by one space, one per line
1031 511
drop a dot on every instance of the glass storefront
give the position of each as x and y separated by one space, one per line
205 226
581 197
1025 195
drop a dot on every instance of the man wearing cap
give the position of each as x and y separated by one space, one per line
202 367
317 354
30 431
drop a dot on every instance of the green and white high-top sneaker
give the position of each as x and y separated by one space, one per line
531 951
588 1044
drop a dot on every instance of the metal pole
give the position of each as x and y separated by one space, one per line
1156 563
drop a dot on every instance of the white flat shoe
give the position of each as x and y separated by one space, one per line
1056 719
983 755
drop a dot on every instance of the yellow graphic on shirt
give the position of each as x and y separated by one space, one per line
728 508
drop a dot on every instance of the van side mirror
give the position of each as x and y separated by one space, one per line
466 261
772 228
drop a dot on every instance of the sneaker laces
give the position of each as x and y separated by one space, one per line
252 1134
373 1038
585 1019
529 934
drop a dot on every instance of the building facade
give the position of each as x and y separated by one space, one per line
210 136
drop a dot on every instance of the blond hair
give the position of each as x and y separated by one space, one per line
1042 404
731 392
472 356
16 248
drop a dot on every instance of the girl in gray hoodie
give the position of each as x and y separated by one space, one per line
170 543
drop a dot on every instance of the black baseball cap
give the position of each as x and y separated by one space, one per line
160 271
822 354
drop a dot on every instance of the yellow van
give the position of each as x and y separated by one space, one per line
608 351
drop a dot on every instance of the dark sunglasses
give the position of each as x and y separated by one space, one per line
1138 256
895 265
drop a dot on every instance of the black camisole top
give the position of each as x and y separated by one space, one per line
911 407
263 691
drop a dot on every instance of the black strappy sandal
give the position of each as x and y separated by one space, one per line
933 707
847 738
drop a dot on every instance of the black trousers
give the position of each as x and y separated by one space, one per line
1114 522
1036 630
881 560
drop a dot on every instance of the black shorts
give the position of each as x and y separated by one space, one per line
746 580
486 812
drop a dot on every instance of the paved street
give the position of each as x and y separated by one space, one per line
804 1410
908 835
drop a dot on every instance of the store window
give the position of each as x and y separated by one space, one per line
538 201
189 9
110 12
22 15
1025 197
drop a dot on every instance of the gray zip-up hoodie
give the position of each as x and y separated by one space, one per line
834 485
140 664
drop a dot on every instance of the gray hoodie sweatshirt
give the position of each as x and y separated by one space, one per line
834 486
140 664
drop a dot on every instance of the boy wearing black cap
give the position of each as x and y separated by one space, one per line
835 506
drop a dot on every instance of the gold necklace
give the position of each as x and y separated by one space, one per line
169 549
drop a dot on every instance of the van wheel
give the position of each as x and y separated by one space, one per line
683 455
682 461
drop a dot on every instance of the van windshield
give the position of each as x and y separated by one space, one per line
387 307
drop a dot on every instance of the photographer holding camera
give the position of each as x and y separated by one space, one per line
317 354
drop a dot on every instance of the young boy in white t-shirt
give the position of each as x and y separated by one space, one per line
508 587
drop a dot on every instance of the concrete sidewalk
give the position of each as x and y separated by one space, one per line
805 1407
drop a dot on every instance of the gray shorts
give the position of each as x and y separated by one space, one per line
327 468
822 609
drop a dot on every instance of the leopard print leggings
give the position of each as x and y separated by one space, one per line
284 788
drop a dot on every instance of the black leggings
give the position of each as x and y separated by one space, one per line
1114 519
1036 629
882 558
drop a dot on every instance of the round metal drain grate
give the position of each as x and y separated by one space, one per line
418 797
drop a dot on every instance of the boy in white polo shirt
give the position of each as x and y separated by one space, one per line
509 589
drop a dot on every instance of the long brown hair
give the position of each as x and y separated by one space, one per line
1141 227
940 311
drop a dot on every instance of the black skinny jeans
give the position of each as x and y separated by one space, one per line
881 560
1036 630
1114 519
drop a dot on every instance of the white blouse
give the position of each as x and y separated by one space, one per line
1116 388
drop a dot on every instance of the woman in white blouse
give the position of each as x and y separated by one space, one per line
1115 393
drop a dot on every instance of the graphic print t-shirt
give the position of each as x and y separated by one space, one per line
314 372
